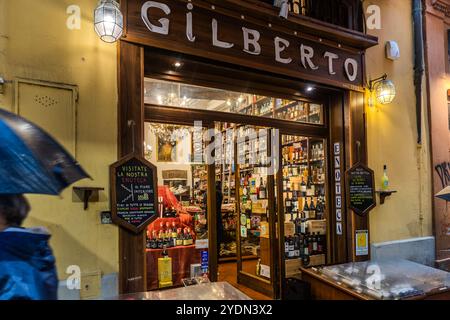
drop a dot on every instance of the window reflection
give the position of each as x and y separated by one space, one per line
194 97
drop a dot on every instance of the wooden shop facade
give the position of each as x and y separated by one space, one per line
285 100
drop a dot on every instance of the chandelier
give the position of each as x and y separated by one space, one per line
169 133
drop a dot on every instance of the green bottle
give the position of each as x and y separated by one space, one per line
385 180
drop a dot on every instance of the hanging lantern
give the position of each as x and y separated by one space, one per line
383 89
108 21
385 92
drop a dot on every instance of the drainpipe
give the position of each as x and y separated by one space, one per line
419 70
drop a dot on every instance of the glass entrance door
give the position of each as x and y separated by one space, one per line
245 172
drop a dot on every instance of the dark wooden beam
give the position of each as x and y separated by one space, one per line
132 265
356 133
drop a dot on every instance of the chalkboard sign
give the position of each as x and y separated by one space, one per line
360 189
134 190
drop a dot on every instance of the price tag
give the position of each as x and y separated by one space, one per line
243 231
362 242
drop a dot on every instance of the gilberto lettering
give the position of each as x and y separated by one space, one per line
251 38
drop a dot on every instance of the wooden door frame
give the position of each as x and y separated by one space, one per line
132 113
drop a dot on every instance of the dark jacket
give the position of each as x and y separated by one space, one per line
27 265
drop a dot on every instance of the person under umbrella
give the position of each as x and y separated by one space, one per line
31 162
27 264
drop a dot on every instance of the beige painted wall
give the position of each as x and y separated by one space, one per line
392 134
36 44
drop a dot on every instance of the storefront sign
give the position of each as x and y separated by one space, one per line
133 193
360 189
338 187
201 30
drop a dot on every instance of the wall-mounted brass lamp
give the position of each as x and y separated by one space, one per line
383 89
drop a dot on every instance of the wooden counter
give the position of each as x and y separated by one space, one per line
322 288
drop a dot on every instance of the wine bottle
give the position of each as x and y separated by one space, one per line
286 247
314 245
160 240
303 186
297 223
288 203
262 189
174 230
312 210
179 241
190 239
306 210
153 242
185 238
149 240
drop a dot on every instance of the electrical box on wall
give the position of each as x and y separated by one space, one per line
91 285
392 50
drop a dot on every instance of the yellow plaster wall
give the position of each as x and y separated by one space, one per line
392 137
36 44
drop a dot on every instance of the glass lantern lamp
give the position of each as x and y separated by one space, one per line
108 20
383 89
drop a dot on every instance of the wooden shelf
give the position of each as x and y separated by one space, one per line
86 193
384 193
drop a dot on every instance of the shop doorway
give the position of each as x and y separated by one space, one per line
271 182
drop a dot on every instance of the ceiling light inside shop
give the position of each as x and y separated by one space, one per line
177 64
309 89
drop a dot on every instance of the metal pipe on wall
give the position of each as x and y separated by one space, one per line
419 67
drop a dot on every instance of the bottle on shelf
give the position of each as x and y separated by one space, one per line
154 242
262 189
190 239
306 251
160 241
312 210
314 244
306 210
385 180
174 230
179 241
303 186
185 237
286 247
149 240
298 222
304 224
288 203
320 246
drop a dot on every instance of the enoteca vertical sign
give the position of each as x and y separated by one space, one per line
205 30
134 190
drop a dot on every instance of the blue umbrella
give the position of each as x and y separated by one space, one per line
32 162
